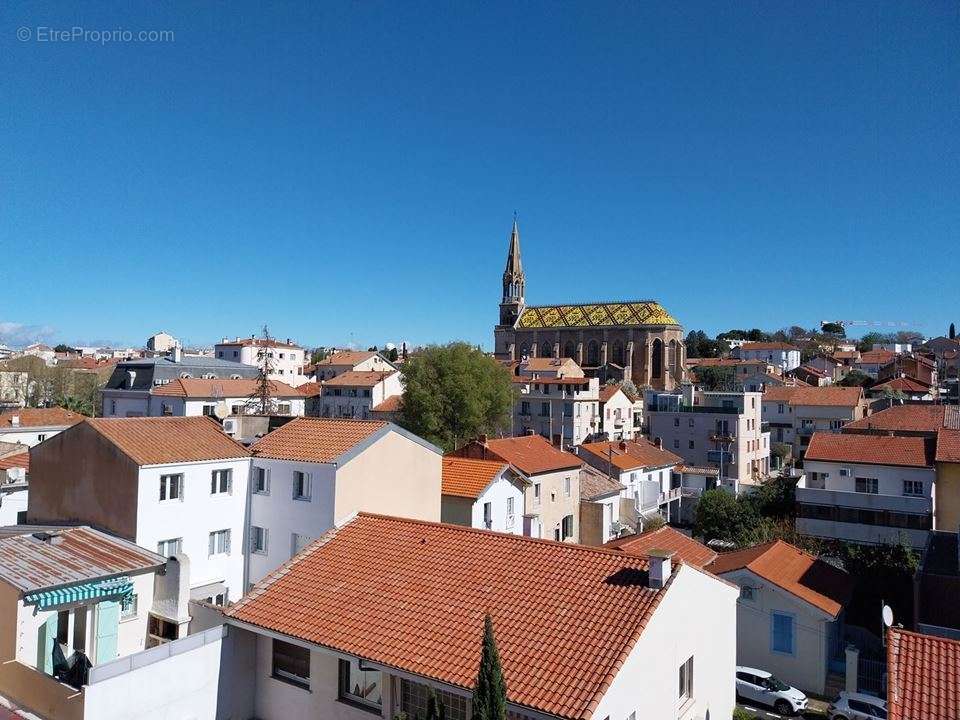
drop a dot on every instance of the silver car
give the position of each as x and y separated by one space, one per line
857 706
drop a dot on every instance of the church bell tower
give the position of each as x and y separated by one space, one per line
513 281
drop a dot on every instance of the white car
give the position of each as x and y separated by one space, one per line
857 706
761 687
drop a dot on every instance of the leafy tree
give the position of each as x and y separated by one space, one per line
883 574
700 345
781 450
453 393
870 339
888 393
855 378
775 498
61 348
490 692
722 516
953 332
833 329
392 355
711 377
372 349
318 355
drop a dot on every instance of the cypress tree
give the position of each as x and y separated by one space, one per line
490 693
953 331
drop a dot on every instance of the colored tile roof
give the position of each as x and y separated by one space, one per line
390 404
903 418
641 313
78 554
595 485
948 445
631 454
871 449
666 538
347 357
164 440
39 417
319 440
828 395
412 595
819 583
532 454
466 477
359 378
923 676
221 388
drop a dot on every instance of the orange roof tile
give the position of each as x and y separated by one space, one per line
221 387
948 445
412 595
923 676
876 357
319 440
902 418
310 389
532 454
347 357
466 477
359 378
871 449
40 417
631 454
390 404
828 395
163 440
666 538
608 391
595 485
16 460
904 384
789 568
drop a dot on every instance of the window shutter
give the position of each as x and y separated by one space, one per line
253 538
266 480
213 482
226 542
266 539
230 481
179 481
213 543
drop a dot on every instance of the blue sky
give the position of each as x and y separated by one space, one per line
349 171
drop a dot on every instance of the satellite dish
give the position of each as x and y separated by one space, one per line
887 614
221 410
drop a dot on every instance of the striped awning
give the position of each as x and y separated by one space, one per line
120 588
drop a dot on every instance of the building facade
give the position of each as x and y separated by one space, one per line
286 359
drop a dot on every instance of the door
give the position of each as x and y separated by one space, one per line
46 637
108 620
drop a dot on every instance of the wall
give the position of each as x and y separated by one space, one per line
457 510
889 478
11 504
29 436
679 628
947 513
554 503
125 403
497 494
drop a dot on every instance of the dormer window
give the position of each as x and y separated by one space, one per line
185 375
209 376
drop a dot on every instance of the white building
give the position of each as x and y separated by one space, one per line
355 393
42 351
867 488
484 494
286 358
407 615
162 342
351 360
565 410
794 414
219 398
31 426
783 356
621 416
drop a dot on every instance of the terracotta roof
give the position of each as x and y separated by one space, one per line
948 445
319 440
828 395
16 460
923 674
221 388
846 354
809 370
631 454
40 417
544 363
529 380
871 449
164 440
412 595
608 391
532 454
390 404
904 384
359 378
260 342
310 389
595 485
347 357
768 346
466 477
876 357
905 418
666 538
789 568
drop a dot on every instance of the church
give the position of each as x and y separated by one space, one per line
636 340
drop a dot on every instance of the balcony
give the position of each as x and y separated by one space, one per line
706 409
865 501
678 493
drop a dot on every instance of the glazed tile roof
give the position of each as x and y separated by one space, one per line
666 538
164 440
412 595
29 564
466 477
532 454
923 676
319 440
903 418
631 454
828 395
789 568
221 388
636 314
39 417
871 449
359 378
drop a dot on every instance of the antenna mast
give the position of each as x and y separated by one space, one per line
262 398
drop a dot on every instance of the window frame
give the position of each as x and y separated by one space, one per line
263 534
685 681
284 674
221 481
344 694
774 615
258 474
165 487
306 486
214 546
166 543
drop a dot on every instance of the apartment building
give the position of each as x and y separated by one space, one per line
621 415
31 426
350 360
355 393
564 410
219 398
484 494
794 414
286 359
719 430
871 361
783 356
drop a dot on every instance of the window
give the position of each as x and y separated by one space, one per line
360 685
844 472
544 409
690 422
836 424
258 539
171 487
780 409
219 543
690 445
536 493
41 437
524 408
261 481
746 593
568 409
128 607
221 481
567 486
283 408
169 548
685 675
209 410
488 515
510 512
413 701
913 487
818 480
291 663
781 633
867 485
676 422
301 485
566 527
676 443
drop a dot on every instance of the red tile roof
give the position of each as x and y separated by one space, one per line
666 538
347 357
608 391
902 418
319 440
923 676
948 445
466 477
221 388
828 395
532 454
40 417
631 454
876 357
905 384
390 404
310 389
595 485
164 440
17 460
871 449
359 378
412 595
791 569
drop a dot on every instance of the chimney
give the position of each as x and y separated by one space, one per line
482 439
623 446
177 353
659 443
660 567
15 421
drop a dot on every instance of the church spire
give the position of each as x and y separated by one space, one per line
513 280
514 266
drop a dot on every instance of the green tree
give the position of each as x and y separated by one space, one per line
490 692
832 328
392 355
453 393
953 332
61 348
855 378
870 339
711 377
318 355
700 345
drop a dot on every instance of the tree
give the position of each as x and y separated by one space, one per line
722 516
61 348
700 345
318 355
490 692
888 393
870 339
453 393
712 377
855 378
833 328
392 355
953 332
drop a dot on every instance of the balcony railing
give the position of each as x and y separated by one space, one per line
708 409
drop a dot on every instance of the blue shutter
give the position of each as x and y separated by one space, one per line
781 633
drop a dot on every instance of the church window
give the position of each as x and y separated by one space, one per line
657 364
569 350
545 350
618 353
593 353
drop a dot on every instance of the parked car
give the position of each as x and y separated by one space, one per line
761 687
857 706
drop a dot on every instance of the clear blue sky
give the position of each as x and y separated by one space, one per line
349 170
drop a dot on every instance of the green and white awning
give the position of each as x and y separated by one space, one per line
119 588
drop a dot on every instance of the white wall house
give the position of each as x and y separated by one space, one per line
351 361
783 356
31 426
286 358
484 494
621 416
354 393
219 398
794 414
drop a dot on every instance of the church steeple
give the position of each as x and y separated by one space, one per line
513 280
